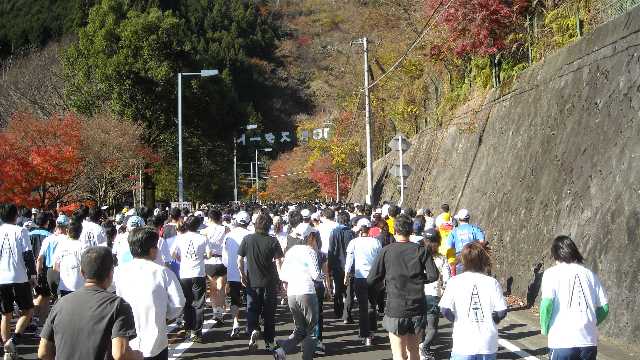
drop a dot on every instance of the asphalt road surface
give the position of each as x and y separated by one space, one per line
519 339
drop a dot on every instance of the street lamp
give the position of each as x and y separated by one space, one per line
202 73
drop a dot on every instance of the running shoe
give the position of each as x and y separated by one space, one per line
253 340
279 354
269 346
368 341
10 347
235 332
320 348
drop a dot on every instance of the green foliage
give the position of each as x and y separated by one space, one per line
481 72
33 23
563 26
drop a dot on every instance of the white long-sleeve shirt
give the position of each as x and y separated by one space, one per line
299 270
361 253
155 295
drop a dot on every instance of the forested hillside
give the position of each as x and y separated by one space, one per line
285 65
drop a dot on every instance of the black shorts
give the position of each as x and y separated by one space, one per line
215 270
18 293
42 286
235 293
405 326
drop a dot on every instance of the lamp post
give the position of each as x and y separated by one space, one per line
202 73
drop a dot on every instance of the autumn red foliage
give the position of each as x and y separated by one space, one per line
476 27
323 174
38 158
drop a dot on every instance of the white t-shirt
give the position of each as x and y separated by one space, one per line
166 247
325 228
92 235
473 297
155 295
121 248
215 236
435 288
577 293
299 270
14 241
191 248
67 256
230 252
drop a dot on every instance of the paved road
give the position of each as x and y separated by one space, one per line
519 334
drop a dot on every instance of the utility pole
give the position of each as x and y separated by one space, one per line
257 176
235 170
365 44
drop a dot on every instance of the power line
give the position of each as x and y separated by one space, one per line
415 43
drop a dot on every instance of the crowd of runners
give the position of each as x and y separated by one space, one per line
97 287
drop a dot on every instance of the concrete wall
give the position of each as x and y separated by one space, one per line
558 154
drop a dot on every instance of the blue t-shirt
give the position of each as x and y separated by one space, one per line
463 235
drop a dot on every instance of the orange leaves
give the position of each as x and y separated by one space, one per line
37 154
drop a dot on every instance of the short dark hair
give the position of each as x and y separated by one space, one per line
175 213
142 240
444 207
192 223
215 215
8 213
74 230
263 224
95 213
394 210
403 225
295 219
475 258
565 250
110 231
328 213
343 218
41 219
96 263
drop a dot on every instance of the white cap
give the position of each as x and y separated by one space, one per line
156 212
131 212
364 222
119 218
420 212
305 213
385 210
198 213
243 218
463 214
302 231
378 211
315 216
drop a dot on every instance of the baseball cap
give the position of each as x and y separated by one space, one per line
131 212
418 227
119 218
243 218
198 213
302 231
156 212
62 220
364 222
463 214
315 216
135 222
420 212
306 214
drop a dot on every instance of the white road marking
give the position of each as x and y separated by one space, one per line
178 350
516 350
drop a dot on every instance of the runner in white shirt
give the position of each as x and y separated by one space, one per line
361 253
191 249
66 260
474 303
92 233
232 242
152 290
17 270
573 304
214 268
300 270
